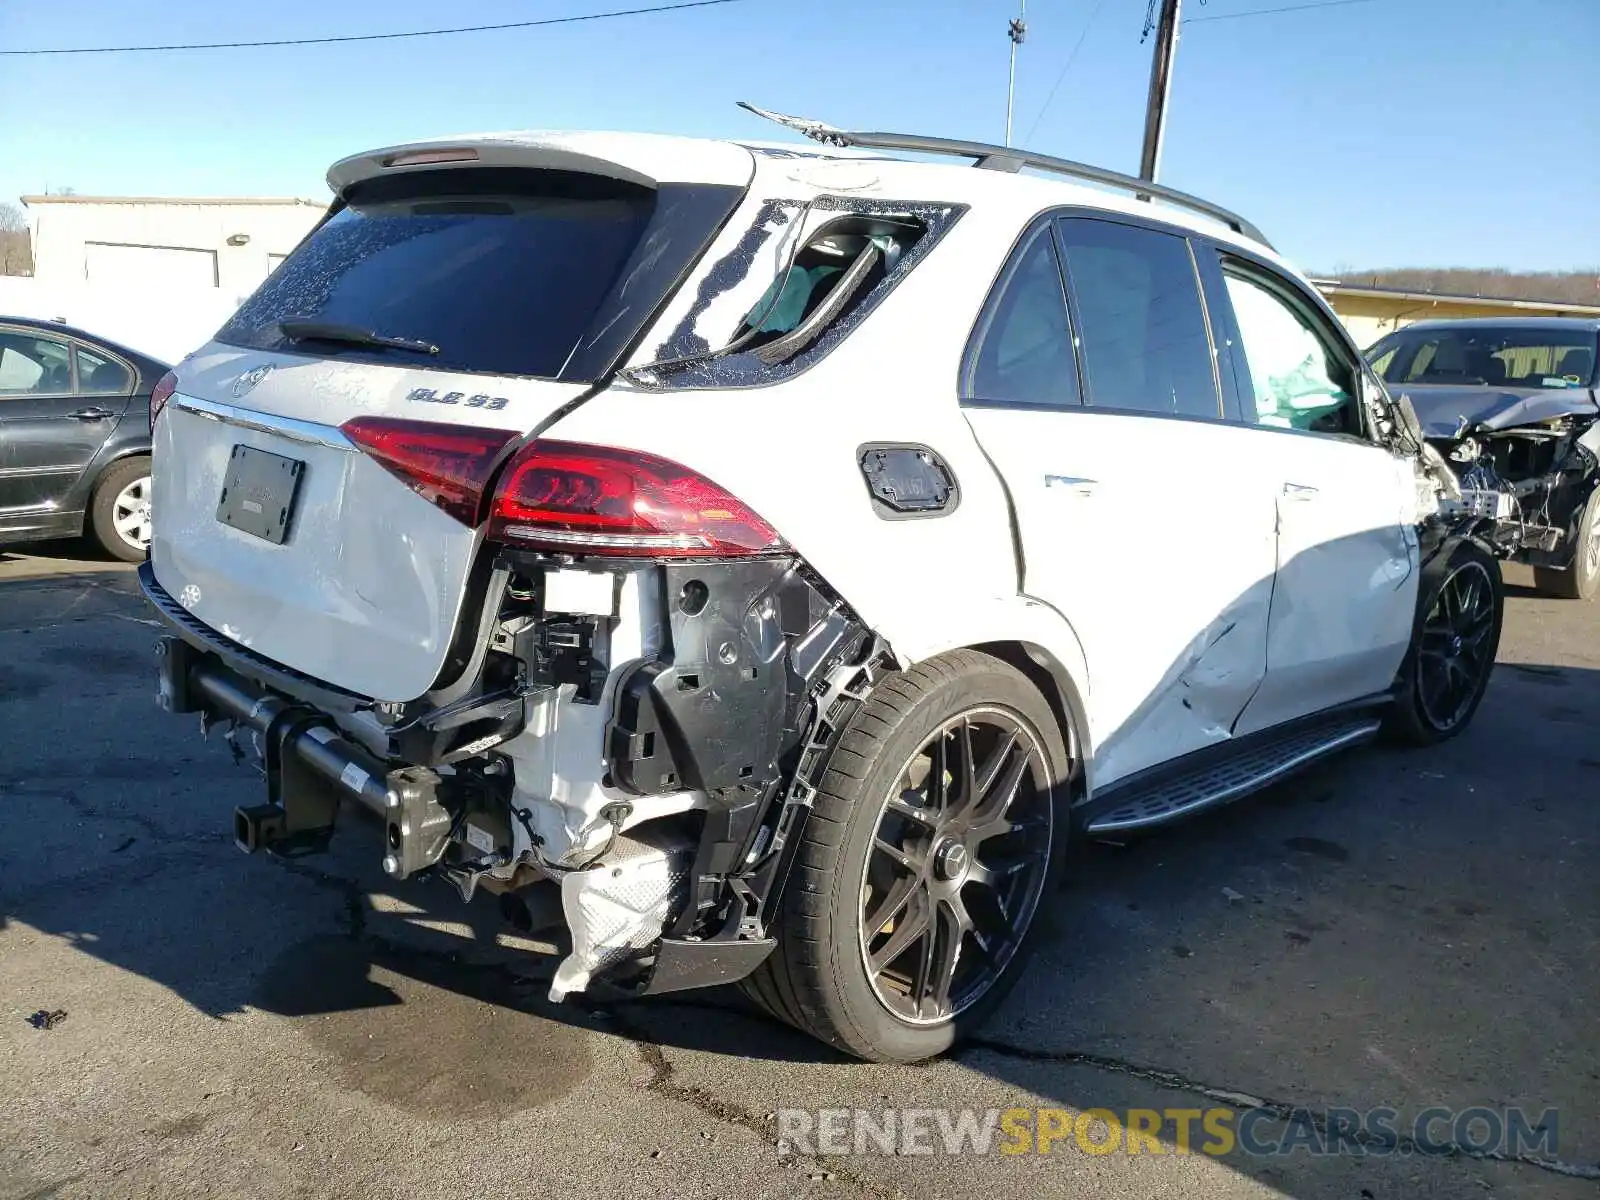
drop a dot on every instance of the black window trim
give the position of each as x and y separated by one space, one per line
1311 305
1043 224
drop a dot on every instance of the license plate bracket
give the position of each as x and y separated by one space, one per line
259 491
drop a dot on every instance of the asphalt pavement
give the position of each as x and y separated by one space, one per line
1403 930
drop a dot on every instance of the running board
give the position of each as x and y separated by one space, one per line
1160 801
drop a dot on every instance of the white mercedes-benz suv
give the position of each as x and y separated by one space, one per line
781 551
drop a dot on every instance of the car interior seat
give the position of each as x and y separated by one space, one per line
108 378
1578 362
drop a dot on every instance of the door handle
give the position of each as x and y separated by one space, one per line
1075 484
1299 491
91 414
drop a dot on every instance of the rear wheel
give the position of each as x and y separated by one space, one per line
928 859
1581 580
1453 649
120 511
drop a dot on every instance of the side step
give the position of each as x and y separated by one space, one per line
1219 781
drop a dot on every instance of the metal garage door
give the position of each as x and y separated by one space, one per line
116 263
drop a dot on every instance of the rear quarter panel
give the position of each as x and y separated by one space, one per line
791 450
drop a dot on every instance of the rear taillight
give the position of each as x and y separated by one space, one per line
160 394
597 500
449 465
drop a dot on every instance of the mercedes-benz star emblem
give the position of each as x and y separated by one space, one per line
250 378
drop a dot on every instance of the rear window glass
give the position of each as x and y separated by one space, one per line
504 272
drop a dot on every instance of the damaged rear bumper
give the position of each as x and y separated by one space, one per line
721 725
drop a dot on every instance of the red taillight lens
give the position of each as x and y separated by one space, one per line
160 394
447 464
598 500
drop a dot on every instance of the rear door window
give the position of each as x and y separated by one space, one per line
99 375
1024 351
503 271
1140 320
34 366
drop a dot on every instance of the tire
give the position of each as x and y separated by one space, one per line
965 852
1460 608
110 506
1581 580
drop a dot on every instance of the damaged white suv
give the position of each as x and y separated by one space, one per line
783 551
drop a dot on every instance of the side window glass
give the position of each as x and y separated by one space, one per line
1140 318
1298 380
1025 349
31 366
102 376
19 374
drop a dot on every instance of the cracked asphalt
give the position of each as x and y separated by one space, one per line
1401 929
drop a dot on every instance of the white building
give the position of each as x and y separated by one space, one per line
159 274
228 243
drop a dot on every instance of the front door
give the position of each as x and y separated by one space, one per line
1140 520
1347 570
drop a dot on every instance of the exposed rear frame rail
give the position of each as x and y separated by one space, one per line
1012 159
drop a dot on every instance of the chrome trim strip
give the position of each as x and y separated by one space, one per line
29 510
1244 786
68 469
307 432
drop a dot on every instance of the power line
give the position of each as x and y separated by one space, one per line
1267 12
1064 68
376 37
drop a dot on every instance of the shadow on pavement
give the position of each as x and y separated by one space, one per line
1399 929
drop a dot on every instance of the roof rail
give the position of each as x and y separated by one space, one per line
1011 159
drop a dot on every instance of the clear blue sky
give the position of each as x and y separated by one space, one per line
1389 133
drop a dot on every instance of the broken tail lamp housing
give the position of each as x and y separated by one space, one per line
569 497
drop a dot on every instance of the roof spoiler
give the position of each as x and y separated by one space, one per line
1011 159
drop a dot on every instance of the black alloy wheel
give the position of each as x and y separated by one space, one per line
1456 649
957 866
924 872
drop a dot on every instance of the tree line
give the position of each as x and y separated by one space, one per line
16 253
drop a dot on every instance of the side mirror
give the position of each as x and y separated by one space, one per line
1406 413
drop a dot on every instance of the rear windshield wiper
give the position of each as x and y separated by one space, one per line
298 330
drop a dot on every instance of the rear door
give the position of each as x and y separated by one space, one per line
504 291
1141 519
58 404
1345 597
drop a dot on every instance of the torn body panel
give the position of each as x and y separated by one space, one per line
1527 462
665 710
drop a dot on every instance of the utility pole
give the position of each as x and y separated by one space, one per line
1155 113
1018 32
